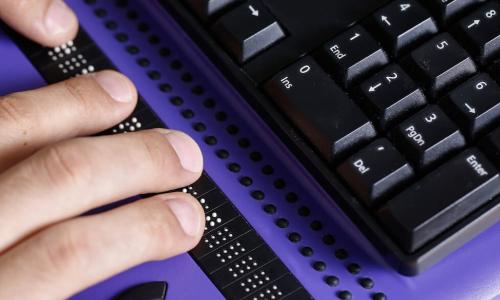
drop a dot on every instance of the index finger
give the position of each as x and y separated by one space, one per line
48 22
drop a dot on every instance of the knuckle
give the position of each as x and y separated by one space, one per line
66 164
155 149
66 249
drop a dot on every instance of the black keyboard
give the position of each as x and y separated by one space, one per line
393 105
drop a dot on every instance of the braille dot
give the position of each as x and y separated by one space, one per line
101 13
199 127
176 64
177 101
187 113
255 156
222 154
164 52
165 87
209 103
153 39
304 211
282 223
279 183
379 296
353 268
366 283
257 195
328 239
121 37
246 181
267 170
143 27
232 129
210 140
132 49
234 167
244 143
221 116
187 77
270 209
316 225
319 266
291 197
344 295
306 251
143 62
332 280
154 75
294 237
341 254
198 90
132 14
111 25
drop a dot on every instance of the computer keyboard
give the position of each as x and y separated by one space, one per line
396 101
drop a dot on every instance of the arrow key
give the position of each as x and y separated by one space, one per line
390 95
475 105
248 30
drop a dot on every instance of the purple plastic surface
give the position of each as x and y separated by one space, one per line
473 272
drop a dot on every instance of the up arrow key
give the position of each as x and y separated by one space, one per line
255 12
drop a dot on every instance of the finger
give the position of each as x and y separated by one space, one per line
75 176
79 106
48 22
75 254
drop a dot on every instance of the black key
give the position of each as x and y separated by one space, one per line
243 266
441 64
491 146
494 70
247 30
391 95
209 8
317 106
481 32
352 55
403 24
446 11
256 280
375 171
475 105
440 199
226 234
428 137
230 252
279 289
156 290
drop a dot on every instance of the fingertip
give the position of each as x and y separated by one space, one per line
187 150
189 214
118 86
60 24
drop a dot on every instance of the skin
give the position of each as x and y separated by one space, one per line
51 173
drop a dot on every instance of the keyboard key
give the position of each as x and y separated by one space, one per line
440 199
247 30
494 70
318 107
390 95
447 11
375 171
491 146
208 8
475 105
481 32
428 137
441 64
352 55
402 24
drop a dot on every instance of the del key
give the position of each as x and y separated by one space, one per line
319 108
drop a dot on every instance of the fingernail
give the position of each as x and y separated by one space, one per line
186 214
115 85
59 18
187 150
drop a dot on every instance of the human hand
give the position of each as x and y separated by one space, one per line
51 173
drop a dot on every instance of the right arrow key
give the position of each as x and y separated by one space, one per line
475 105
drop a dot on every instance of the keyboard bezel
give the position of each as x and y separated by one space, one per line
409 264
